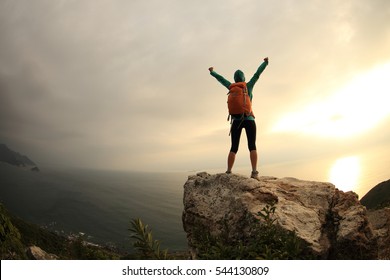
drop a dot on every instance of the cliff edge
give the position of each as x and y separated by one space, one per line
332 224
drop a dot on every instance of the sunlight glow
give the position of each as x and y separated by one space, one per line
344 173
355 108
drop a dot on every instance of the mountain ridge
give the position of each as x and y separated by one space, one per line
14 158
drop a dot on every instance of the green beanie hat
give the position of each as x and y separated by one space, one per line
239 76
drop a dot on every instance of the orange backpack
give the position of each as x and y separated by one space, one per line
239 103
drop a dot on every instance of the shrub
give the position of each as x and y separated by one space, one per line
146 247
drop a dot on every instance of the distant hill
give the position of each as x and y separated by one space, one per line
14 158
378 196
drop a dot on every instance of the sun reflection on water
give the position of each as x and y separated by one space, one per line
345 173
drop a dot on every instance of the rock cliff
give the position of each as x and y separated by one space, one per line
332 224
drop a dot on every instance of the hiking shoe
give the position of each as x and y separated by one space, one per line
228 172
255 175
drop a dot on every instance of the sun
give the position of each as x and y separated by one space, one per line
353 109
344 173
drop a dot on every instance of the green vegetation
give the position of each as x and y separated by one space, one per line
11 246
265 241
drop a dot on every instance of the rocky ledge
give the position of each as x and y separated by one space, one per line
332 223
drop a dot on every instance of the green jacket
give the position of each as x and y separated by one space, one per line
239 77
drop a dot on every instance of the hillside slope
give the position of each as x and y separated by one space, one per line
378 196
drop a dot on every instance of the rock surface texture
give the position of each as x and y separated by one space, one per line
333 224
36 253
380 221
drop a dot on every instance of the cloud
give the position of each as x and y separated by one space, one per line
83 80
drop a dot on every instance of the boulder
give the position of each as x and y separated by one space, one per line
36 253
333 224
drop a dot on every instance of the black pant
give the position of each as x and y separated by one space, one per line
236 129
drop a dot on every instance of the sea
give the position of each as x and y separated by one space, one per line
98 204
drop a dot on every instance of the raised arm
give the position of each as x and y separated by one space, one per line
219 78
260 70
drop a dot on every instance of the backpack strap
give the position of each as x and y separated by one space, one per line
231 123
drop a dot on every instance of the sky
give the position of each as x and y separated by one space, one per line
124 84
